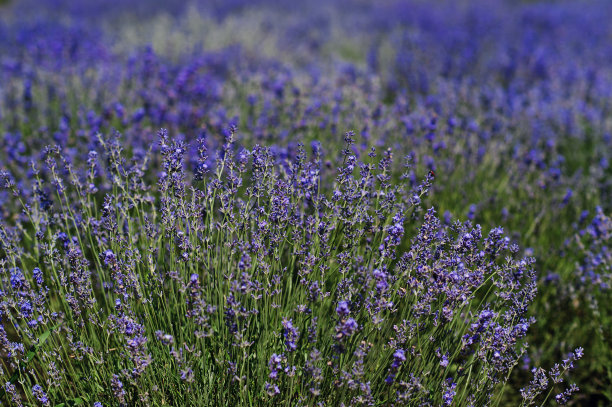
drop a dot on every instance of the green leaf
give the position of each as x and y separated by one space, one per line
74 402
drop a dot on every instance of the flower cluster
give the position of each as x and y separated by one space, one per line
108 284
542 380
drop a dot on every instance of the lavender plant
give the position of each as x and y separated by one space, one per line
247 281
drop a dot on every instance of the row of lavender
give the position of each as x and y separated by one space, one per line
289 260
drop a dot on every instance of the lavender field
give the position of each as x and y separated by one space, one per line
321 203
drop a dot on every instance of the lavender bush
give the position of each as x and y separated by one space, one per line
248 281
255 252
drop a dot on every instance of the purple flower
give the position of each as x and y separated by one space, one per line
271 389
342 309
449 392
578 353
11 390
17 279
38 277
291 335
275 365
399 357
346 328
563 398
108 257
40 395
568 196
117 388
187 375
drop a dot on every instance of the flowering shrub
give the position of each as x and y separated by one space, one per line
251 281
